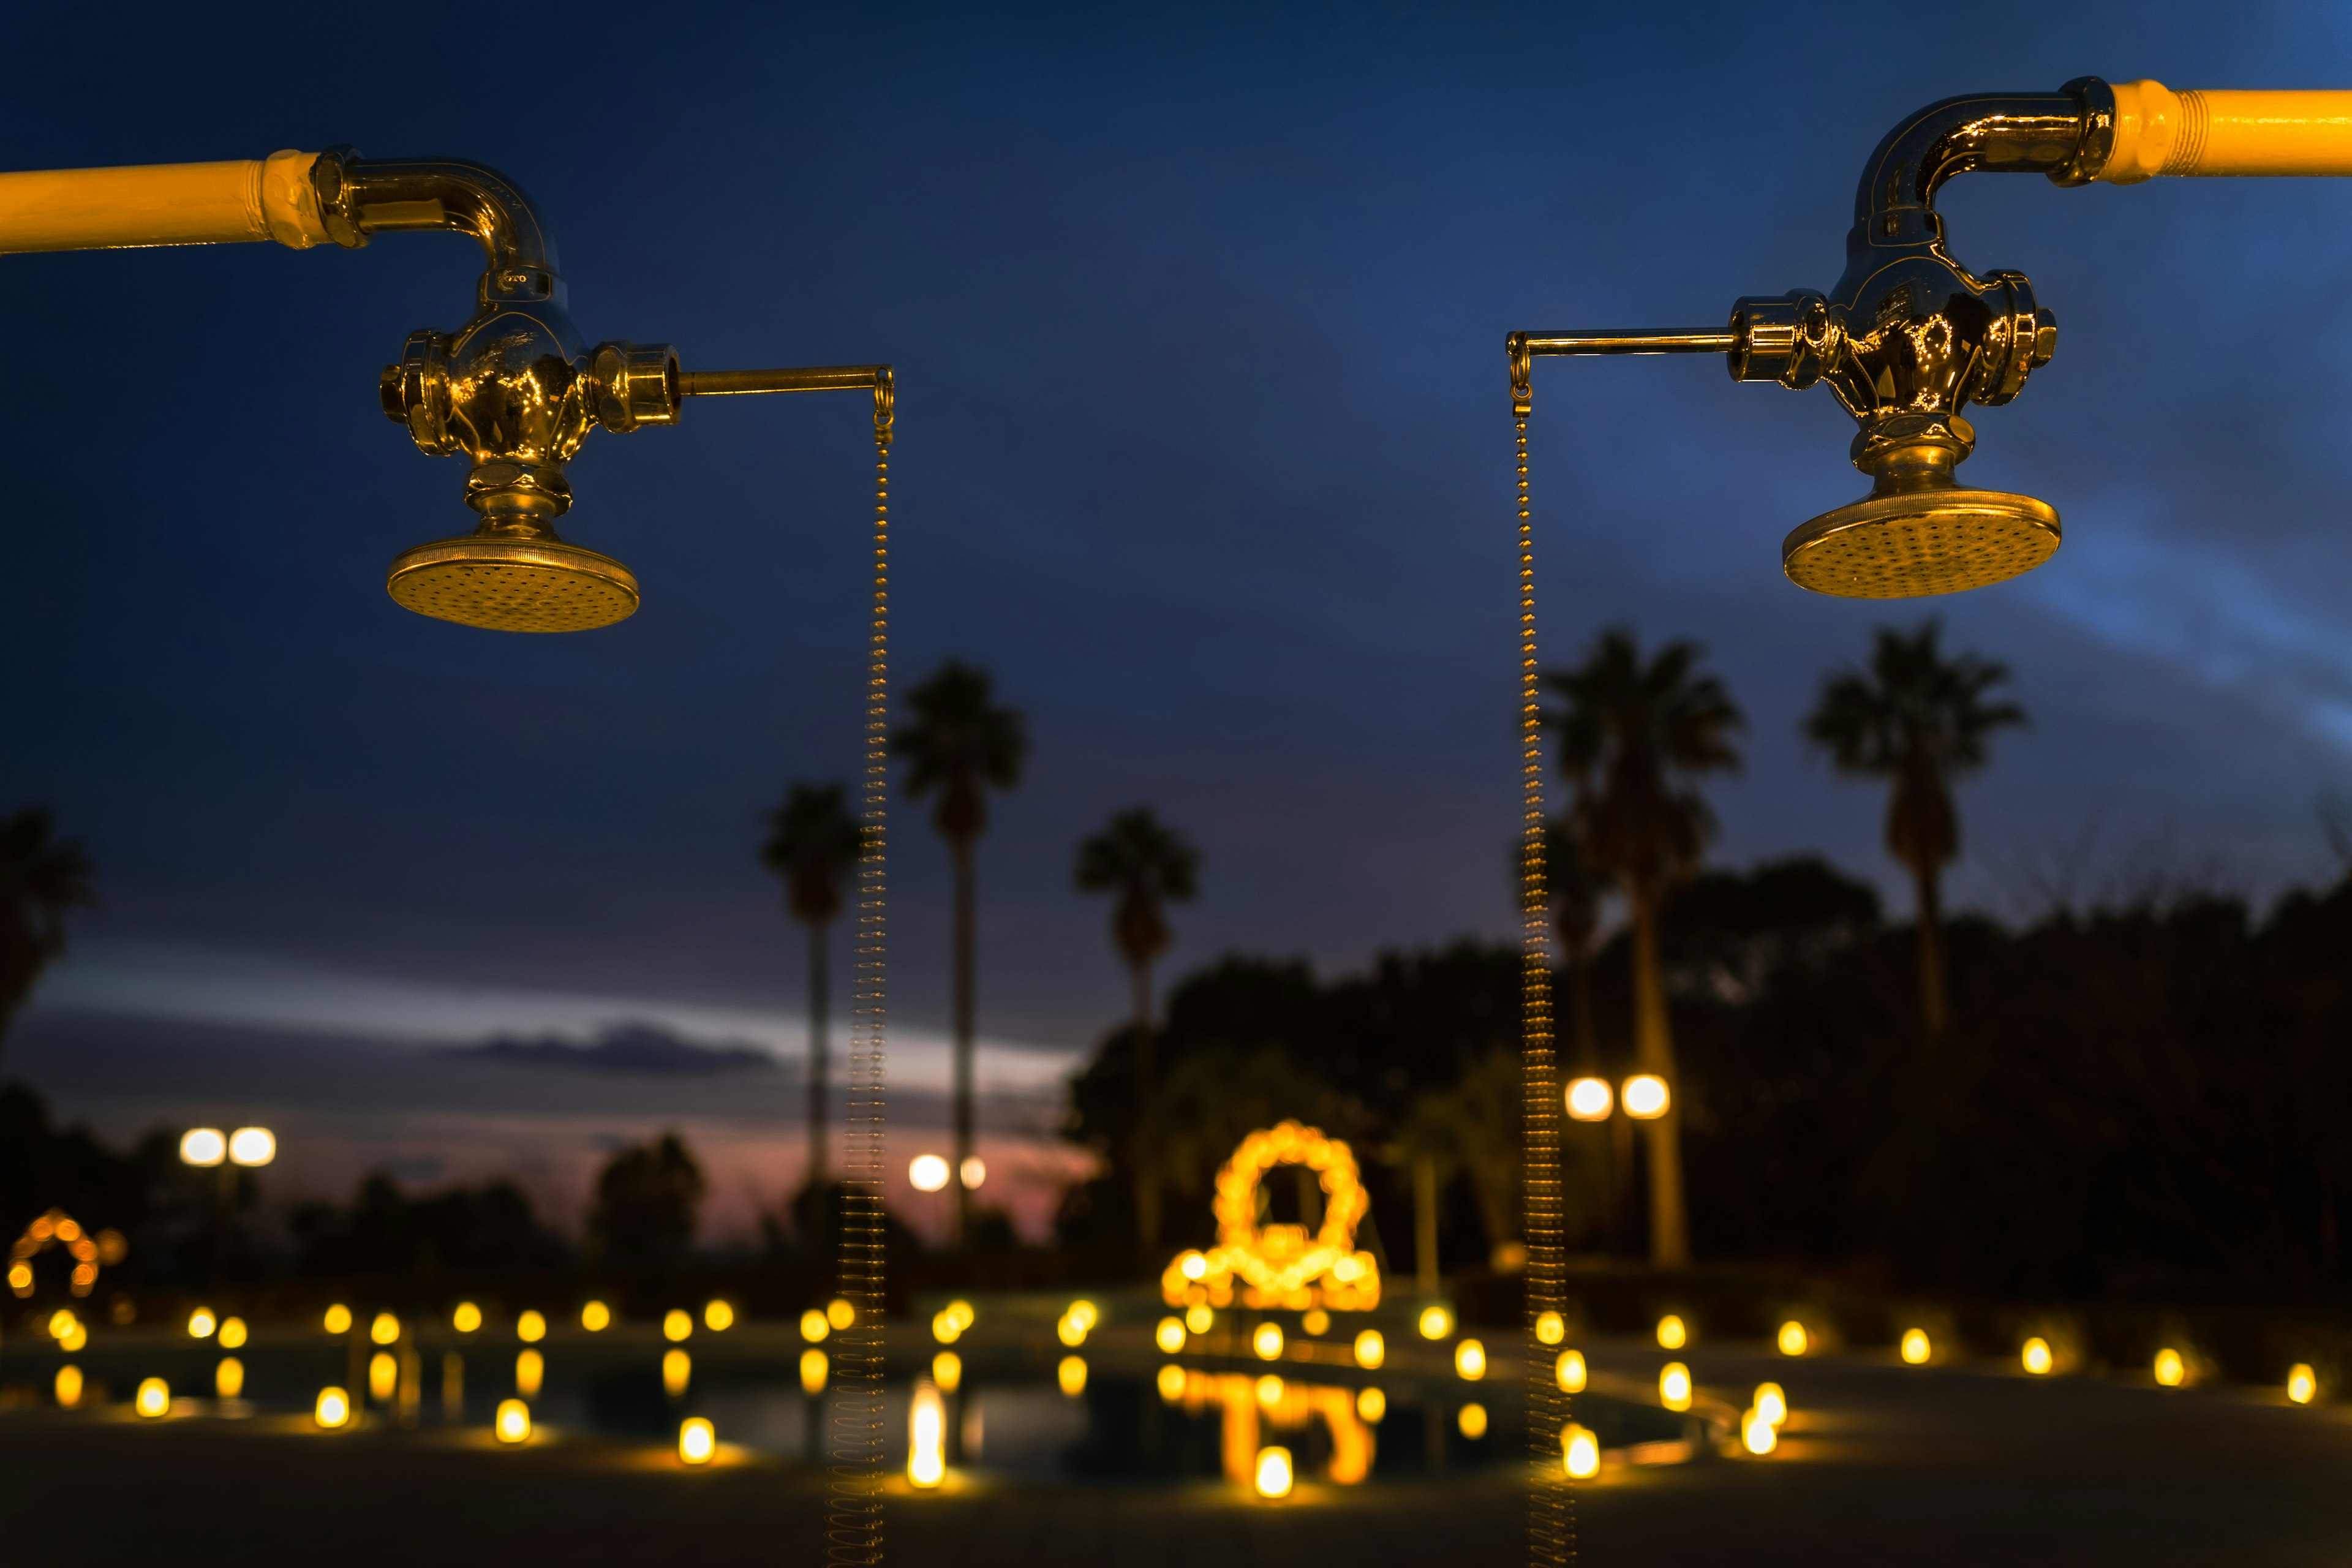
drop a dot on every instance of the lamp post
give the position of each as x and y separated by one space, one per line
1644 1097
205 1147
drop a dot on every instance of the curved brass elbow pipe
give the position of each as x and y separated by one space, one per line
515 389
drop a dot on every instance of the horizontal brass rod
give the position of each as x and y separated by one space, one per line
820 378
1639 341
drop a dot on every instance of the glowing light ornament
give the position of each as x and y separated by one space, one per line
595 1316
840 1313
1199 1319
512 1423
813 1327
2171 1370
2302 1384
697 1440
1792 1338
1551 1328
386 1327
1471 1421
1370 1349
926 1427
153 1399
719 1316
1673 1332
1674 1387
1470 1360
1169 1336
1917 1347
1580 1452
333 1410
2036 1358
1371 1405
1570 1371
467 1318
201 1323
1266 1340
338 1319
1171 1383
1280 1266
1273 1477
676 1324
1435 1322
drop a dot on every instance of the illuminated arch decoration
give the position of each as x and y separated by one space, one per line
1279 1265
58 1229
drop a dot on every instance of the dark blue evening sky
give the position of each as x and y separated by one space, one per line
1205 451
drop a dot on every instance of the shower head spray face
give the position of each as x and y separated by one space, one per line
1908 545
505 583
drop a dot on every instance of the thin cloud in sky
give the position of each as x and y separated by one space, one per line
192 984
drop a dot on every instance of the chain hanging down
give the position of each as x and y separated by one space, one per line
1551 1518
854 1514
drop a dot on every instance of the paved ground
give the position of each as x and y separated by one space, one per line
1881 1464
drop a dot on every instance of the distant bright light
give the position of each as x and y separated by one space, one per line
975 1172
338 1319
1169 1336
1793 1340
677 1369
1674 1387
1070 1330
1072 1375
68 1386
927 1434
1315 1320
1771 1403
595 1316
961 1313
2172 1370
253 1145
2036 1357
1266 1340
1646 1097
947 1371
1470 1360
814 1367
1084 1312
1436 1322
697 1440
1192 1264
840 1313
1570 1371
1916 1346
530 1328
155 1398
513 1422
229 1378
467 1318
232 1333
1673 1332
386 1327
718 1317
1471 1421
1551 1328
1171 1383
944 1328
1757 1434
1370 1349
929 1173
384 1375
1580 1452
531 1371
1273 1477
1199 1319
2302 1384
812 1326
1590 1099
334 1409
61 1322
1371 1405
204 1146
75 1337
676 1324
1269 1392
201 1323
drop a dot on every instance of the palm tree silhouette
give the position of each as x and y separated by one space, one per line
813 845
42 877
960 746
1576 892
1149 866
1633 737
1922 720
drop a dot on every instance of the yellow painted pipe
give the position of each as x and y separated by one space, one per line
2161 132
162 204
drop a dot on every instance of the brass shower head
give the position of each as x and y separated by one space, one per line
504 584
1907 546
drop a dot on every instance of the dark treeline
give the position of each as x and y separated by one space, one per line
2144 1102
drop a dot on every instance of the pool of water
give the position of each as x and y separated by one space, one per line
1131 1425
